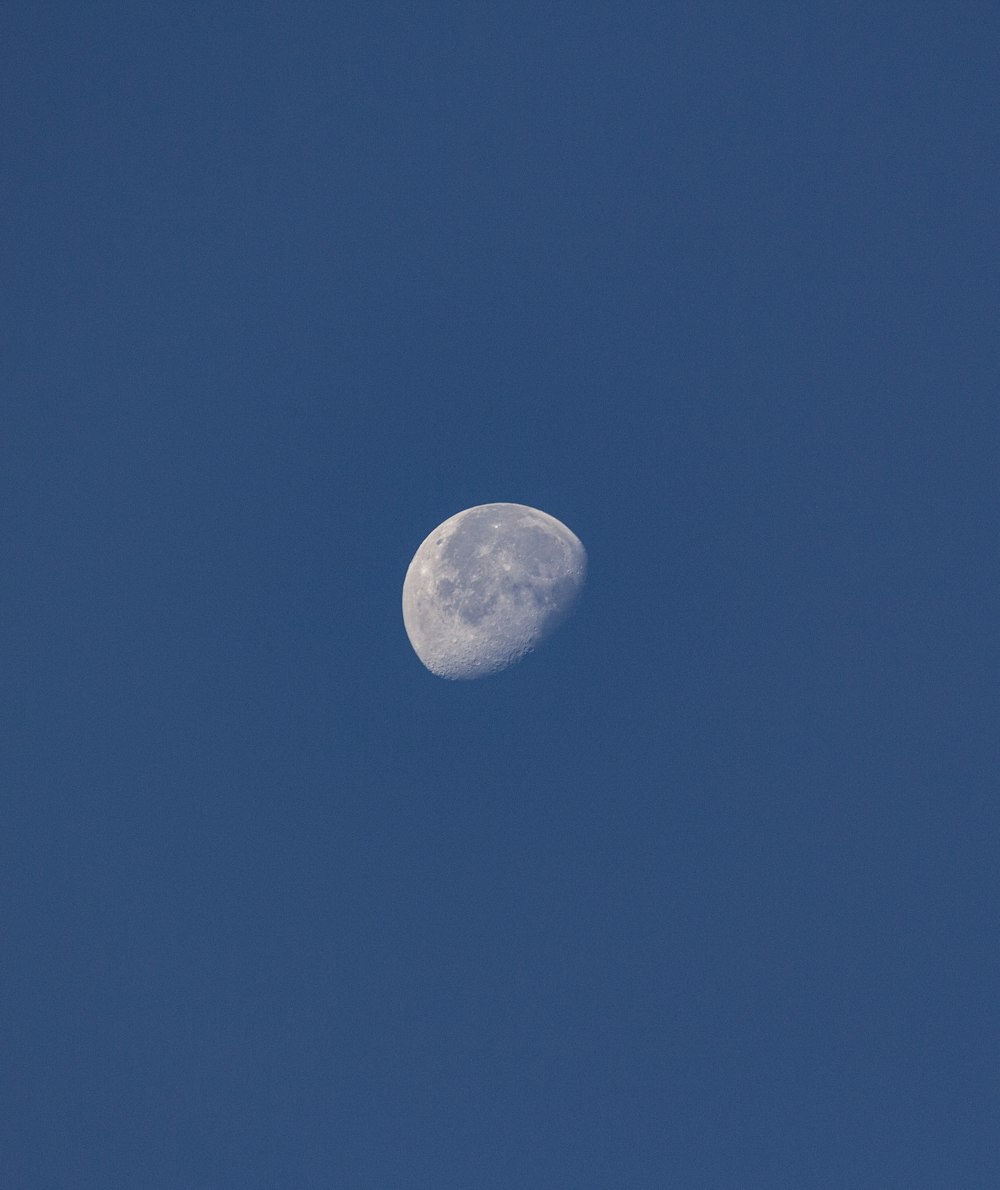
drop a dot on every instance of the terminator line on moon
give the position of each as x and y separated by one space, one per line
488 586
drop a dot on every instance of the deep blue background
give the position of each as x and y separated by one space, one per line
705 893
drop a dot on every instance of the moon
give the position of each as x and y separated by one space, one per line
488 586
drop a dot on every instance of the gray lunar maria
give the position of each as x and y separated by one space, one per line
488 586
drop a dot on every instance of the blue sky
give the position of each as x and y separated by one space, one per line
704 893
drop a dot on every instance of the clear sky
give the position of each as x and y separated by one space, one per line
705 893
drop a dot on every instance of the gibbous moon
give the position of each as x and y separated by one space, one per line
488 586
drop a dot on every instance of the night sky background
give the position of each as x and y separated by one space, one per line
704 893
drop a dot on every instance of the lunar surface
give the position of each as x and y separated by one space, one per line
488 586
